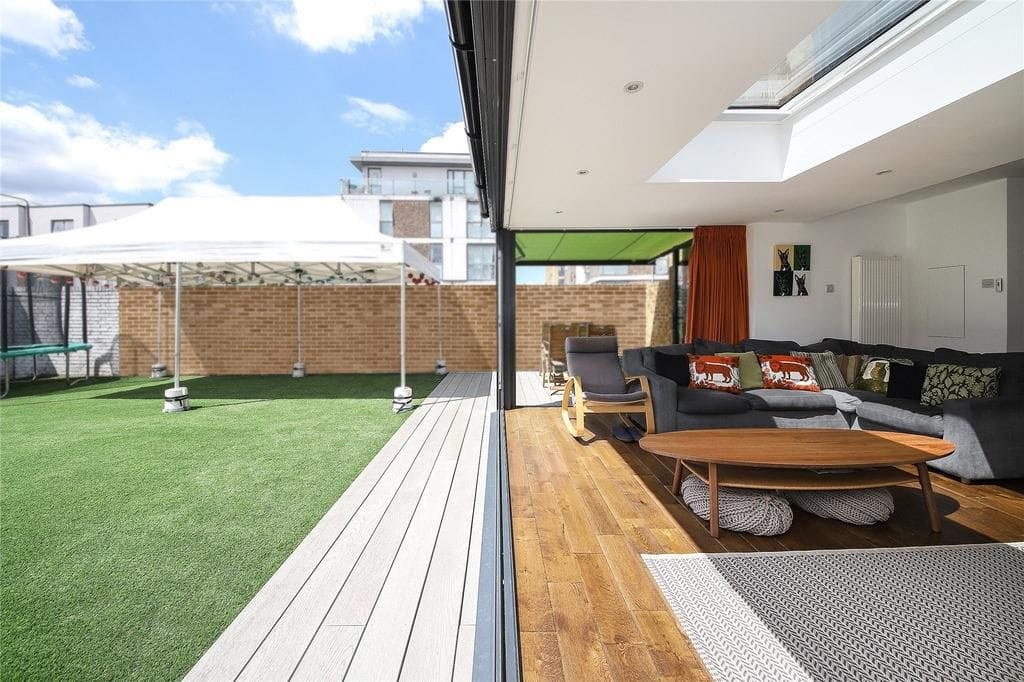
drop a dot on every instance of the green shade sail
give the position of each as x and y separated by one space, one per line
598 246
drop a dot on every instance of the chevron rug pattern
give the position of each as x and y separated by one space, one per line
912 613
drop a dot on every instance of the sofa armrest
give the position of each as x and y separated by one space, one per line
988 433
663 391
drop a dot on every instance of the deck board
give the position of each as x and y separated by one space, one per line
346 602
586 614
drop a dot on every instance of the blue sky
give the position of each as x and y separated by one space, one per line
138 100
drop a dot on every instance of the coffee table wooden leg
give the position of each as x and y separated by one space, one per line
713 495
677 477
929 498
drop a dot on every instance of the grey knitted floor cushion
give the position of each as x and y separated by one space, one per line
759 512
862 507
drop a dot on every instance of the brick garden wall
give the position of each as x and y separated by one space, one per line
355 328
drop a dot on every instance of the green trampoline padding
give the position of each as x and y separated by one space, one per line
41 349
598 246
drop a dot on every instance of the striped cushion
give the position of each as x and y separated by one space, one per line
826 369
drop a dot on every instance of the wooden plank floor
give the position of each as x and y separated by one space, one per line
385 586
584 512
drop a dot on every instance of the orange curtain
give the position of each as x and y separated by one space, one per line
717 308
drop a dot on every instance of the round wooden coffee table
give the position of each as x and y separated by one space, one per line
799 459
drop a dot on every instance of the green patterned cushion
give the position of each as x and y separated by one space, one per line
874 373
955 382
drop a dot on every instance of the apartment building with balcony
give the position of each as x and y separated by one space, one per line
430 200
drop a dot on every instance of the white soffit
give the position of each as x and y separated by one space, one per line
948 103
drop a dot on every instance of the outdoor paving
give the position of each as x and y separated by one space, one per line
530 391
385 586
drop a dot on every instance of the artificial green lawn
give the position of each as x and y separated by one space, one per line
129 538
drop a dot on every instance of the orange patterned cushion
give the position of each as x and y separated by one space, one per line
787 371
715 372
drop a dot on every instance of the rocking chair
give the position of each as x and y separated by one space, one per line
597 385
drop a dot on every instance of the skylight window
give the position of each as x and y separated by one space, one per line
854 26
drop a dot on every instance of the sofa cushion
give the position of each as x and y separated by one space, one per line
788 372
903 415
673 366
1012 381
826 368
704 401
826 345
874 373
906 381
956 382
706 347
631 397
715 372
846 347
750 369
845 399
783 399
647 353
769 347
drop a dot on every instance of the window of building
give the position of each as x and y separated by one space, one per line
387 218
457 181
5 229
61 225
614 270
476 227
479 262
661 266
437 255
373 180
436 220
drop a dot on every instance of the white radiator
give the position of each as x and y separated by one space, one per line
876 299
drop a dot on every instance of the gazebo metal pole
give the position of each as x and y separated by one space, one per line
403 394
298 369
177 325
176 399
401 285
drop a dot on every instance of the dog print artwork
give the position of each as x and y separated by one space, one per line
791 263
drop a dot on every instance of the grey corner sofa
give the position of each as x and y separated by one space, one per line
988 433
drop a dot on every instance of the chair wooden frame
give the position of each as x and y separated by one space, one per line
575 406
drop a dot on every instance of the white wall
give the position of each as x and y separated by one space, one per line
876 230
1015 264
966 227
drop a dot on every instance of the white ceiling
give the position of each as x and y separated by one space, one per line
569 112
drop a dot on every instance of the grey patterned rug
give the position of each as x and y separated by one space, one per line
915 613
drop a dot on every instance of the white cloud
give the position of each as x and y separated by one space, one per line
42 24
376 117
344 25
452 140
53 153
84 82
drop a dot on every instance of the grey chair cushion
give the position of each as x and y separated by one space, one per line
706 401
594 360
631 397
903 415
782 399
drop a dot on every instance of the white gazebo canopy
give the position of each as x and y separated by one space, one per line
229 241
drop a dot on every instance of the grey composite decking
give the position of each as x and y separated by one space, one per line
530 391
385 585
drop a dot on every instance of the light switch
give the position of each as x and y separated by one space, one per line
830 288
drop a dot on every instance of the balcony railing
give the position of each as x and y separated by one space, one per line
412 186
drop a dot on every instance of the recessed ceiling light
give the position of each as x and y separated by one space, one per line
884 172
633 87
778 210
582 171
559 212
